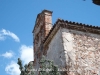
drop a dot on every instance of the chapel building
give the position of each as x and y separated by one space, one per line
70 45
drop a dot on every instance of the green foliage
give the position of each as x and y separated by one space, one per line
25 70
47 67
21 66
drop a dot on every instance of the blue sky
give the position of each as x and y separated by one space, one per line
17 19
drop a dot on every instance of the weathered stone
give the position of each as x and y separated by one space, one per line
69 46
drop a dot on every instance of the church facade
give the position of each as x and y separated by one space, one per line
71 45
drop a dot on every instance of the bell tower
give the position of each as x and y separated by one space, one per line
41 29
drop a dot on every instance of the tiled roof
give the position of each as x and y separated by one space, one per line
74 26
76 23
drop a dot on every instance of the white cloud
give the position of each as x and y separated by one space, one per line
8 54
12 68
26 54
2 37
8 33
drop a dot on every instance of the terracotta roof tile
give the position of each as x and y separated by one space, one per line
75 26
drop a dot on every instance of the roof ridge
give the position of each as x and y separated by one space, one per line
76 23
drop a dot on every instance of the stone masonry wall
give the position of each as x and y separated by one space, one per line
84 56
55 50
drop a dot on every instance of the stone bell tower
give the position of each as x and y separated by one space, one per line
41 29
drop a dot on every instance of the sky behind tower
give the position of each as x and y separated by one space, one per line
17 19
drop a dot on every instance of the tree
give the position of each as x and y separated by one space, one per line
26 69
47 67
